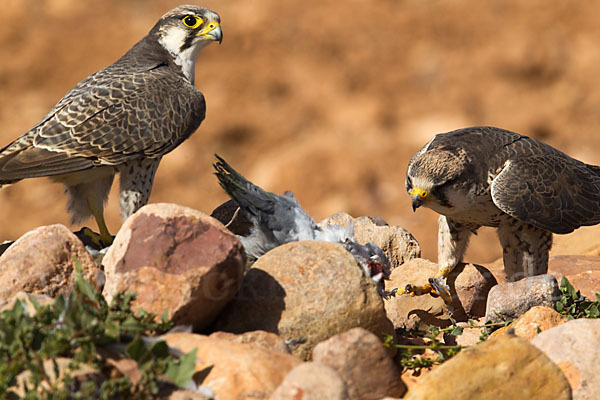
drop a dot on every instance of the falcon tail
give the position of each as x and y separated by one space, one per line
19 161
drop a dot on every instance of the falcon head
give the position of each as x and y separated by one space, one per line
184 31
431 178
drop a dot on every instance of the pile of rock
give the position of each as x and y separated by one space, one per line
304 321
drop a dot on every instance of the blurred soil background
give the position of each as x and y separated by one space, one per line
326 98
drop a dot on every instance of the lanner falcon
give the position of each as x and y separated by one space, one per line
123 118
485 176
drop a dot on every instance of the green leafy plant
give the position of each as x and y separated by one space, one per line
573 305
83 328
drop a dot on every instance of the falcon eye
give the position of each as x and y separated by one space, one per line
191 21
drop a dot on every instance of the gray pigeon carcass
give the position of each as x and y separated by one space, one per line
278 219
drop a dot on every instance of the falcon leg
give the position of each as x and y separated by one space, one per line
525 249
453 239
105 239
135 182
88 192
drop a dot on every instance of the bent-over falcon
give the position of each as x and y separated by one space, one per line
123 118
486 176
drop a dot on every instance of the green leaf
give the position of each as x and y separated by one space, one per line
182 370
165 316
160 349
593 311
574 294
136 349
457 331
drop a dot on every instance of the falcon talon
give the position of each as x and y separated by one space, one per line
417 290
389 294
93 239
441 289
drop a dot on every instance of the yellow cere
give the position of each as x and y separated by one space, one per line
192 21
208 28
419 192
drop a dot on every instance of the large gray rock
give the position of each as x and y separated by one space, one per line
575 347
306 292
43 262
509 300
363 363
176 259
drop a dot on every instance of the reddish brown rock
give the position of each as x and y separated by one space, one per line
410 311
535 320
575 347
176 259
363 363
306 292
582 271
397 243
43 261
469 285
506 367
264 339
311 381
235 370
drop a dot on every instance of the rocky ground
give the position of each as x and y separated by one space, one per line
304 321
328 99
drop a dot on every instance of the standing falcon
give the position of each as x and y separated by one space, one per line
123 118
485 176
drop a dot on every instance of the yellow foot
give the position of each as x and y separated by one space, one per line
93 239
436 286
417 290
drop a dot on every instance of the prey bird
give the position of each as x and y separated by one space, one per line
486 176
123 119
279 219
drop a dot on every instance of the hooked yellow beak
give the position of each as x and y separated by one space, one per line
212 31
419 196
